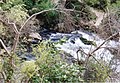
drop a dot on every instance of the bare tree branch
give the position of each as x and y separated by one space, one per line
14 26
33 16
90 54
5 48
16 41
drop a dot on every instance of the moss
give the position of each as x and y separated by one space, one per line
87 42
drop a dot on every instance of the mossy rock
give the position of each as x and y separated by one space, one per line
87 42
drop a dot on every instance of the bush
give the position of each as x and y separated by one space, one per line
99 4
51 68
11 3
97 72
48 65
17 14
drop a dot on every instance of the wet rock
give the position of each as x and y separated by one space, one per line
26 56
35 35
33 41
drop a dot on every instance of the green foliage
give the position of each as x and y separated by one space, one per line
29 4
8 68
15 10
28 67
87 42
17 14
115 6
103 4
38 5
60 72
10 3
44 4
97 72
100 4
52 68
61 41
48 66
45 48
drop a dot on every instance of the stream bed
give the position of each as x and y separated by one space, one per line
88 42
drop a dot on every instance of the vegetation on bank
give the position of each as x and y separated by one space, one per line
19 18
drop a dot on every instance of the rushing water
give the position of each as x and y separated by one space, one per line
74 43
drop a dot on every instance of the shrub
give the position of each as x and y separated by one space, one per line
100 4
17 14
11 3
97 72
51 68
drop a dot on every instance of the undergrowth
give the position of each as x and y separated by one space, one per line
48 65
